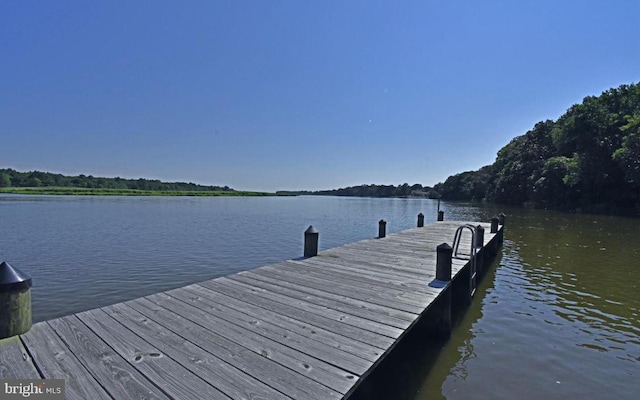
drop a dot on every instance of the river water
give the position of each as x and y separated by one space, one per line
557 317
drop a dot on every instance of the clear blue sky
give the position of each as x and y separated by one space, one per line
272 95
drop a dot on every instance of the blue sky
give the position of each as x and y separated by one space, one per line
277 95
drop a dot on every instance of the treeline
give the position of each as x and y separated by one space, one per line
404 190
589 160
36 179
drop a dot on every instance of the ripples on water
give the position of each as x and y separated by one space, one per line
87 252
559 320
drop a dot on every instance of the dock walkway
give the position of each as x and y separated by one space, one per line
310 328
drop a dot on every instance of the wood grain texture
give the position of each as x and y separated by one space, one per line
103 363
260 367
174 379
16 362
56 361
205 364
329 322
339 343
382 314
323 363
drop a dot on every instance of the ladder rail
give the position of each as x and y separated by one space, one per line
471 256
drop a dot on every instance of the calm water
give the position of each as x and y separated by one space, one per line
557 317
86 252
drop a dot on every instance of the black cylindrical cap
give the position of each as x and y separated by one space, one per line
13 279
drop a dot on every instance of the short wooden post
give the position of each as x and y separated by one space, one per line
502 218
15 301
444 256
440 215
382 228
479 236
420 220
494 224
311 242
493 247
479 257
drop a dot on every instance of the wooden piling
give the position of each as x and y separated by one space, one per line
420 220
444 255
382 228
15 301
494 224
311 242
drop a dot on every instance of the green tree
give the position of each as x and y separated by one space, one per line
5 180
520 164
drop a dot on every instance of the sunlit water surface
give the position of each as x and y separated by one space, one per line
559 318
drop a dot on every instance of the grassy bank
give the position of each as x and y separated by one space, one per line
123 192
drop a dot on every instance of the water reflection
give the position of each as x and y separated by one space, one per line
559 320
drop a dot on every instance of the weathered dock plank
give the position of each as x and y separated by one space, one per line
260 367
330 321
391 300
351 306
311 328
208 362
338 342
171 377
16 363
292 354
330 364
55 360
103 362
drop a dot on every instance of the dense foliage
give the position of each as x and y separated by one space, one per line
589 159
36 179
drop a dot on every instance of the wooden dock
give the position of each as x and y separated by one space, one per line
311 328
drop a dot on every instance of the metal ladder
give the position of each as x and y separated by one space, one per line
463 256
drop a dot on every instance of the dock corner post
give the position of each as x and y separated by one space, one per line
15 301
420 220
493 248
494 224
479 234
440 215
480 253
382 228
311 242
501 219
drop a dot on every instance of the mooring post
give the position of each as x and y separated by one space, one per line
311 242
439 315
382 228
479 236
444 257
420 220
494 224
440 215
15 301
493 249
501 219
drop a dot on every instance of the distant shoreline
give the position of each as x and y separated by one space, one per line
128 192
